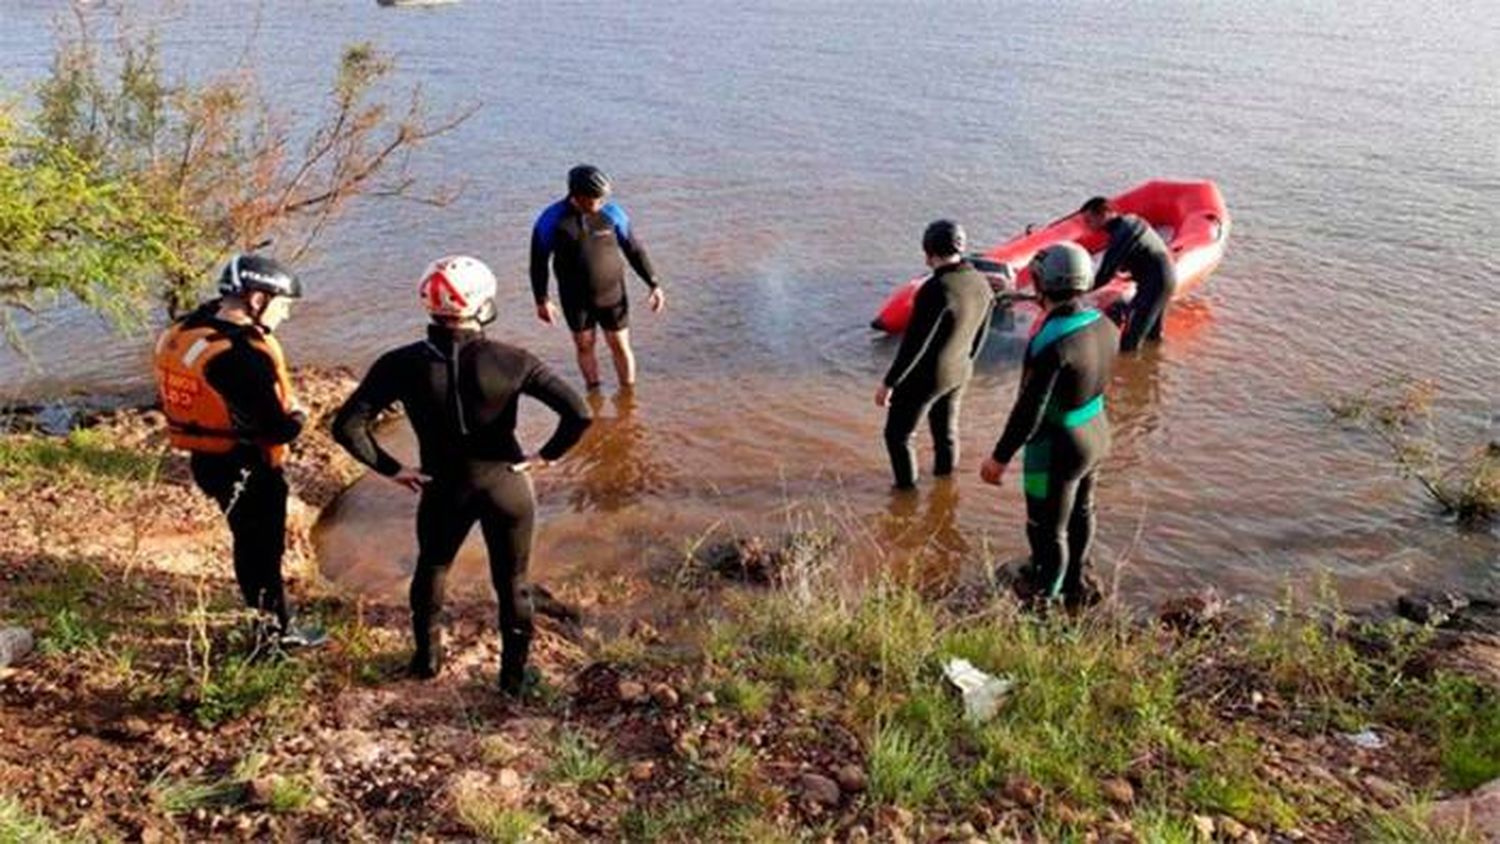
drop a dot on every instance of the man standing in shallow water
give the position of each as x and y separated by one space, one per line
584 236
949 323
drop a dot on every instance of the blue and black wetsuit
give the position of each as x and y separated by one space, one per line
586 252
460 392
1059 418
1136 248
950 320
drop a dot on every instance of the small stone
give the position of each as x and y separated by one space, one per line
508 779
1204 826
319 805
15 644
642 771
819 790
857 834
258 791
1022 791
895 818
1231 828
135 728
708 698
852 779
644 630
629 691
244 823
665 696
1118 791
1383 790
1069 816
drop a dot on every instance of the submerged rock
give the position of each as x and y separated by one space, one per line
753 560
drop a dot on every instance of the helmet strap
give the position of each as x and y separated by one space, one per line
486 314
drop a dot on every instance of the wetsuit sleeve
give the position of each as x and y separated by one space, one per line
246 378
354 421
1121 240
1036 386
573 416
541 254
927 313
635 251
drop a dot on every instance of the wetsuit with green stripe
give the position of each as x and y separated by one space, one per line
1059 419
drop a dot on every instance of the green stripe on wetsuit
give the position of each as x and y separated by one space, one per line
1036 459
1059 327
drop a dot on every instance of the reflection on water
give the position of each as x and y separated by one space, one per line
616 463
920 532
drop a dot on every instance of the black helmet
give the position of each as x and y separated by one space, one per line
246 273
588 180
944 237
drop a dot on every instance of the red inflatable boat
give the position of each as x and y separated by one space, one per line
1189 215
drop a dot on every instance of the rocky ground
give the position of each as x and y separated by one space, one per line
761 715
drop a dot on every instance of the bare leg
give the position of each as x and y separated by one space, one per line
619 348
588 364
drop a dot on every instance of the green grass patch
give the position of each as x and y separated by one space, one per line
1462 717
751 698
30 459
906 769
69 631
291 794
19 826
180 797
240 684
495 823
1409 825
580 761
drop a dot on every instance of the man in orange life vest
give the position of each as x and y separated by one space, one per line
227 396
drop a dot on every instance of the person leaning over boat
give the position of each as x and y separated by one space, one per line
950 320
1136 248
460 391
224 388
1060 420
584 236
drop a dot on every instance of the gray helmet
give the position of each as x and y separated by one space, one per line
588 180
1062 268
246 273
944 237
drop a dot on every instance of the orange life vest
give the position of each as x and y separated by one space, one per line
198 418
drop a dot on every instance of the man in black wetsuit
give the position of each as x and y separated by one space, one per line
585 236
227 396
1059 418
460 392
950 318
1136 248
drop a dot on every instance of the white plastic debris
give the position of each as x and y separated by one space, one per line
982 692
1364 739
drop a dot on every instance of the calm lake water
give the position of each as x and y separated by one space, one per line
780 160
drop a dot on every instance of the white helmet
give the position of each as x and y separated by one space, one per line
459 287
